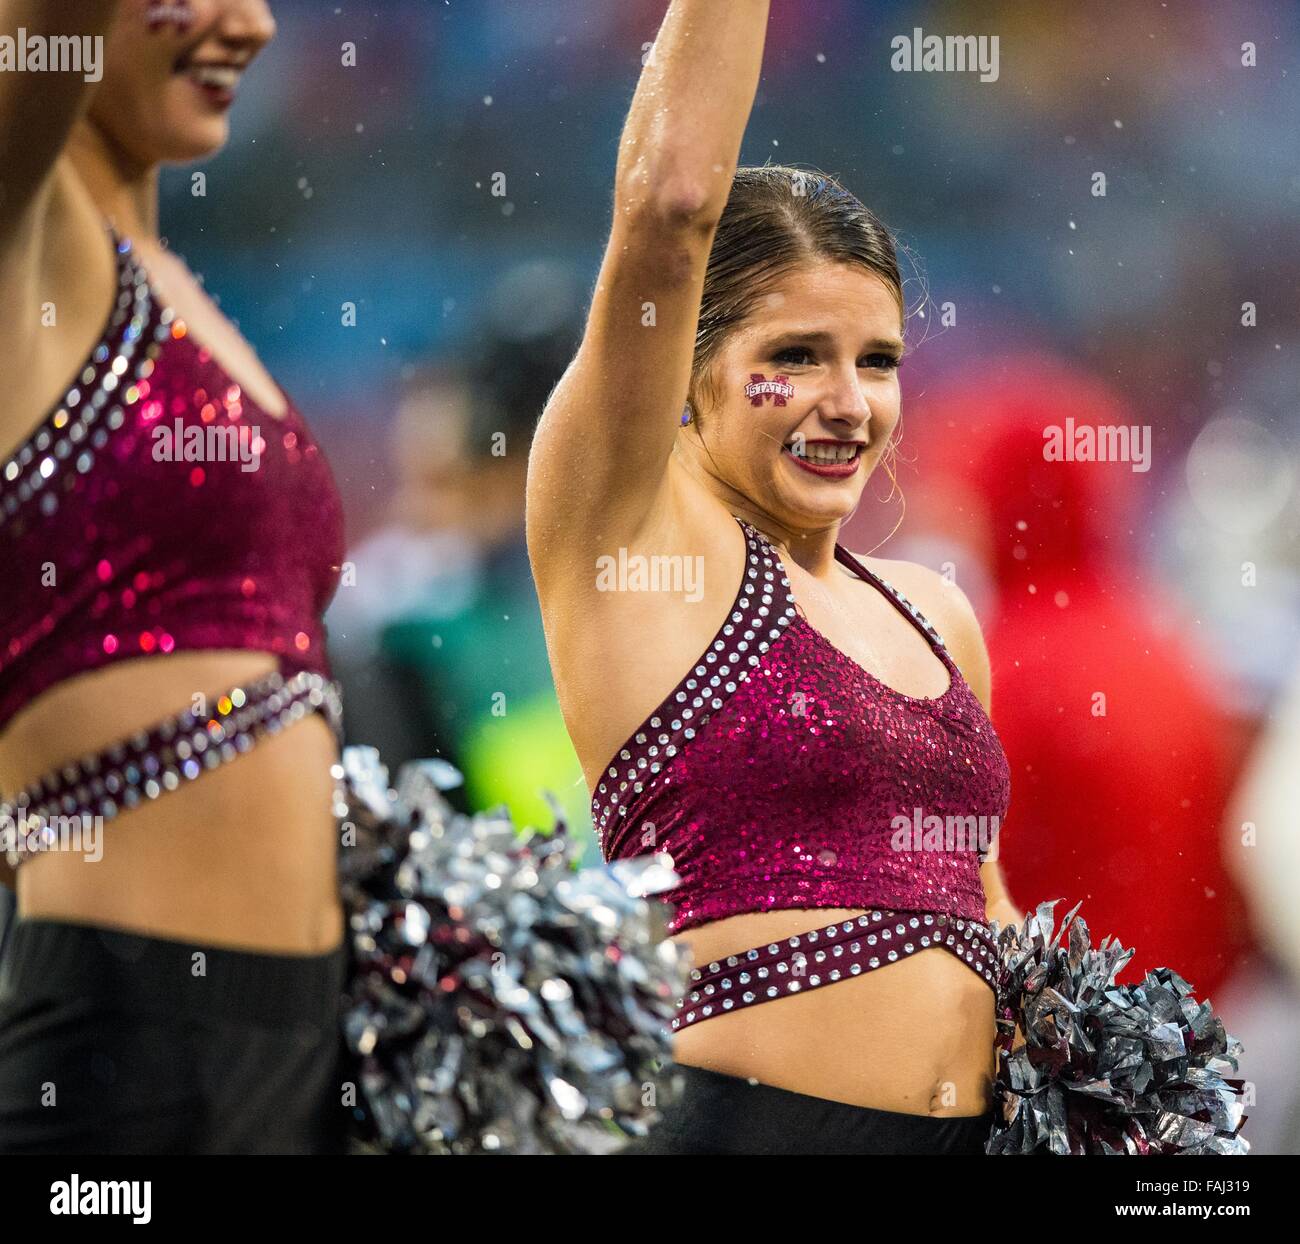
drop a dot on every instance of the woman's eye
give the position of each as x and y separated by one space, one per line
796 356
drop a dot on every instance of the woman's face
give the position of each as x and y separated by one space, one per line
825 341
172 71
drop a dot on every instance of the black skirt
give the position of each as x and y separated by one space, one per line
722 1114
111 1043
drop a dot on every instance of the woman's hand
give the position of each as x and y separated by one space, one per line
1005 913
997 902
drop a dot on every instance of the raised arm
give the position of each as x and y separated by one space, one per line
600 454
38 107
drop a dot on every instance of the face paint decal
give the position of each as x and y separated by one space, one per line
759 389
165 14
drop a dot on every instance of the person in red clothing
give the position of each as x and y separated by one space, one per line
1122 761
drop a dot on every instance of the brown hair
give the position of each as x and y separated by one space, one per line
777 218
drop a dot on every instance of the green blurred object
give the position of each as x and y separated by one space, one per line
511 759
486 681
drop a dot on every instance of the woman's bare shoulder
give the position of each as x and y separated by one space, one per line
947 608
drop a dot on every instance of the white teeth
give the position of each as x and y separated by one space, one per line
827 455
221 76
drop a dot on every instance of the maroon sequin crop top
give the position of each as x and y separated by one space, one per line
158 509
781 774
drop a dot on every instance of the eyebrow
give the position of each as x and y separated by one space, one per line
889 345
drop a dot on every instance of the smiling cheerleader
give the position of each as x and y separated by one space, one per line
769 737
781 733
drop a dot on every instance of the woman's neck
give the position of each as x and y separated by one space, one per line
813 550
125 192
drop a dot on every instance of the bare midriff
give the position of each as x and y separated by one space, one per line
914 1037
245 856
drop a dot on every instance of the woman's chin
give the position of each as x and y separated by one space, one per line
198 140
814 509
186 128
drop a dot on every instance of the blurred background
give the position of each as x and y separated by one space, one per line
410 242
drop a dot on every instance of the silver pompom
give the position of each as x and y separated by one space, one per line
500 999
1106 1068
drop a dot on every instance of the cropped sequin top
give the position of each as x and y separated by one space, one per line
781 774
158 509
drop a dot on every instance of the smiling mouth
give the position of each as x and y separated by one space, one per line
828 460
824 454
219 80
219 77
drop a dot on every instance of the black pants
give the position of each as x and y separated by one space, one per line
112 1043
722 1114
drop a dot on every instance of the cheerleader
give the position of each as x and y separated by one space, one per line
169 538
776 713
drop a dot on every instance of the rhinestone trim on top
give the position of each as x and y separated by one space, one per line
179 749
659 738
904 605
80 424
836 952
736 649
